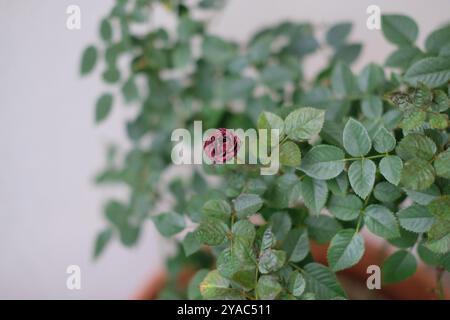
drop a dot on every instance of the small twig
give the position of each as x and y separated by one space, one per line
439 285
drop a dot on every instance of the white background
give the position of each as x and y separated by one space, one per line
50 148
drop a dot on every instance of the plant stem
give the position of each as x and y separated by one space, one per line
361 158
256 283
439 285
297 267
358 225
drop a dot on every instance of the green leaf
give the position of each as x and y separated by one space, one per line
260 49
88 60
440 207
181 55
442 100
337 34
417 174
214 287
217 51
424 197
187 28
103 238
347 53
391 169
391 119
345 250
422 96
398 267
346 208
413 119
323 162
284 191
103 107
106 30
244 232
322 228
276 76
296 284
442 164
268 287
247 204
199 184
268 240
386 192
404 57
332 131
190 244
372 107
130 91
228 263
381 221
233 88
217 208
429 257
361 175
322 282
268 120
111 75
304 123
243 237
433 72
315 193
415 218
129 234
437 40
343 81
371 78
211 231
339 185
416 145
296 245
439 237
438 121
406 239
445 50
384 141
398 29
290 154
169 223
193 291
356 139
281 224
116 213
445 261
256 186
245 278
271 261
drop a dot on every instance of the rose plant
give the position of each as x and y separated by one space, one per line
366 150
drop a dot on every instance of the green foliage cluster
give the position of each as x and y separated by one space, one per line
368 150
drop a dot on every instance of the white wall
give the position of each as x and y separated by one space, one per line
50 148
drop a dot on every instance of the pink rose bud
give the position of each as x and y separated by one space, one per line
221 146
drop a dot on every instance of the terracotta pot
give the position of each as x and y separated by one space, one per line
421 286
